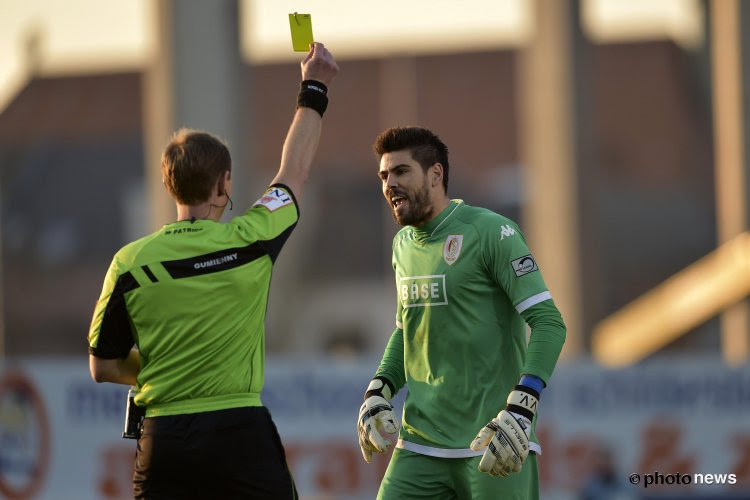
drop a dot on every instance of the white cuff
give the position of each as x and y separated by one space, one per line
533 300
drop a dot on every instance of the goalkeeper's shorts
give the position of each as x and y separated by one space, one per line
233 453
414 476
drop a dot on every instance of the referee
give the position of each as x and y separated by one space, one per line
181 316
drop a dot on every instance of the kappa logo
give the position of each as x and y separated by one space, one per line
506 230
524 265
274 198
452 248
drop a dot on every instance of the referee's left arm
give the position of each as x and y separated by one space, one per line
112 355
119 370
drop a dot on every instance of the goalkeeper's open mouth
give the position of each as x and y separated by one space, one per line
398 201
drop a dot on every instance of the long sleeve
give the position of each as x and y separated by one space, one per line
546 340
392 365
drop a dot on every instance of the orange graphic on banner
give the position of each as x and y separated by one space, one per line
660 450
116 473
741 442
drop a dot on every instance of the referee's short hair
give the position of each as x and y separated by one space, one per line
426 148
191 164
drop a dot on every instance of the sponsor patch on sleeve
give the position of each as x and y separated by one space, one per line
274 198
524 265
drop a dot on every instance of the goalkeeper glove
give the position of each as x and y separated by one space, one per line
375 416
507 436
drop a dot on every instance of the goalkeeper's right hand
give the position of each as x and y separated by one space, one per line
506 437
375 416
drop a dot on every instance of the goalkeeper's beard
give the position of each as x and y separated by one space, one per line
418 207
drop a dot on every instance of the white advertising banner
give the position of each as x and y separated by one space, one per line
681 426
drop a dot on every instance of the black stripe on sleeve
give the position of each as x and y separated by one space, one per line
273 246
149 274
115 334
215 261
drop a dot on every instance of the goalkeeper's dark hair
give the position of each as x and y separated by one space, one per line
425 147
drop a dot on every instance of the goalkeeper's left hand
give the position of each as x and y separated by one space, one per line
507 436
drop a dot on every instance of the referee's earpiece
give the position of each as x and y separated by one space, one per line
220 191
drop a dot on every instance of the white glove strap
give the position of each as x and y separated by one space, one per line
524 400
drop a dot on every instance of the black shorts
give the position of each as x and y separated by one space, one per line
234 453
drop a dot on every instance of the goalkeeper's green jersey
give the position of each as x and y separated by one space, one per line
466 284
192 296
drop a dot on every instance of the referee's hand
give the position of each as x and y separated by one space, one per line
319 65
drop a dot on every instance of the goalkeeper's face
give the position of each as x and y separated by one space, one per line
406 188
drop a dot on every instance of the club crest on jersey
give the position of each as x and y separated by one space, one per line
274 198
452 248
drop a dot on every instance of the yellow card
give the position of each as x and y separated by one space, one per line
301 26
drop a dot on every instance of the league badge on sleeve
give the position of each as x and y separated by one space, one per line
274 198
452 248
524 265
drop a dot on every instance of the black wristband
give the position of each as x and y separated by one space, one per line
312 94
528 390
314 85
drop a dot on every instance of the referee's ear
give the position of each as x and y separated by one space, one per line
224 184
166 188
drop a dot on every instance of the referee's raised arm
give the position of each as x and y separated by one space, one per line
318 71
182 312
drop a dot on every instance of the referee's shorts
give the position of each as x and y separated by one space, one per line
233 453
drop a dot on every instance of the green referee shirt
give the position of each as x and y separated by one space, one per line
192 296
466 284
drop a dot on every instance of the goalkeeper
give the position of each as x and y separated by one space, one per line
466 284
